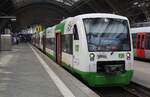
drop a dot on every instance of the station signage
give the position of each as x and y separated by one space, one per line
38 28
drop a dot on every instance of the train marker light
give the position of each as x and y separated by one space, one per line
128 56
92 56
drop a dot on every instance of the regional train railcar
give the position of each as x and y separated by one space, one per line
50 42
97 47
41 35
141 42
39 40
36 40
33 39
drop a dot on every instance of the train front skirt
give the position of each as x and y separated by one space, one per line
97 79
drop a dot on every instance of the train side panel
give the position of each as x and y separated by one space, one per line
41 41
50 42
141 40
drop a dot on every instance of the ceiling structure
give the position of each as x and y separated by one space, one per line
19 3
49 12
43 12
135 10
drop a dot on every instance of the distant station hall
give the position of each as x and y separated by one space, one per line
74 48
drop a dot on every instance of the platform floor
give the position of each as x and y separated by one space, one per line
23 73
141 73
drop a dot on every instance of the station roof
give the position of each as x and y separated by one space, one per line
30 12
19 3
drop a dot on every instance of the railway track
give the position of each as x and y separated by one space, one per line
132 90
143 60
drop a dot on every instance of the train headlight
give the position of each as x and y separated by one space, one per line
128 56
92 56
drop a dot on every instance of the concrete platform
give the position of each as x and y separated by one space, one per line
142 73
26 72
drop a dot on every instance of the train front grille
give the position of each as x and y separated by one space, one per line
111 67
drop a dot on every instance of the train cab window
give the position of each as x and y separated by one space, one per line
75 33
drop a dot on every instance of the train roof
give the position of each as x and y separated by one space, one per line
91 15
140 29
94 15
69 18
49 28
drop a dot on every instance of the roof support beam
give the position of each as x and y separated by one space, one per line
144 9
7 17
79 4
112 5
4 2
2 12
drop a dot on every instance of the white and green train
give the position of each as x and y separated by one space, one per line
97 47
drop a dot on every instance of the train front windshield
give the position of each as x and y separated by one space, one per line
107 34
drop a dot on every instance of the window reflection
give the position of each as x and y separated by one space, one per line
105 34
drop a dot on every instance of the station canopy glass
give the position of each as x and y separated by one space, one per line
19 3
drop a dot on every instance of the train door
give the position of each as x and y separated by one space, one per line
140 44
75 47
57 48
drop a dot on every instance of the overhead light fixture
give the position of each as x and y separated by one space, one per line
13 19
135 3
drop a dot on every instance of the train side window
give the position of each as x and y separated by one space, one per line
67 43
148 40
134 40
50 43
143 42
75 33
138 41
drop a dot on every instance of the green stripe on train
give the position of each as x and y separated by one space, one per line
95 79
60 27
50 56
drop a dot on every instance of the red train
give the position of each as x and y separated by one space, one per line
141 40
